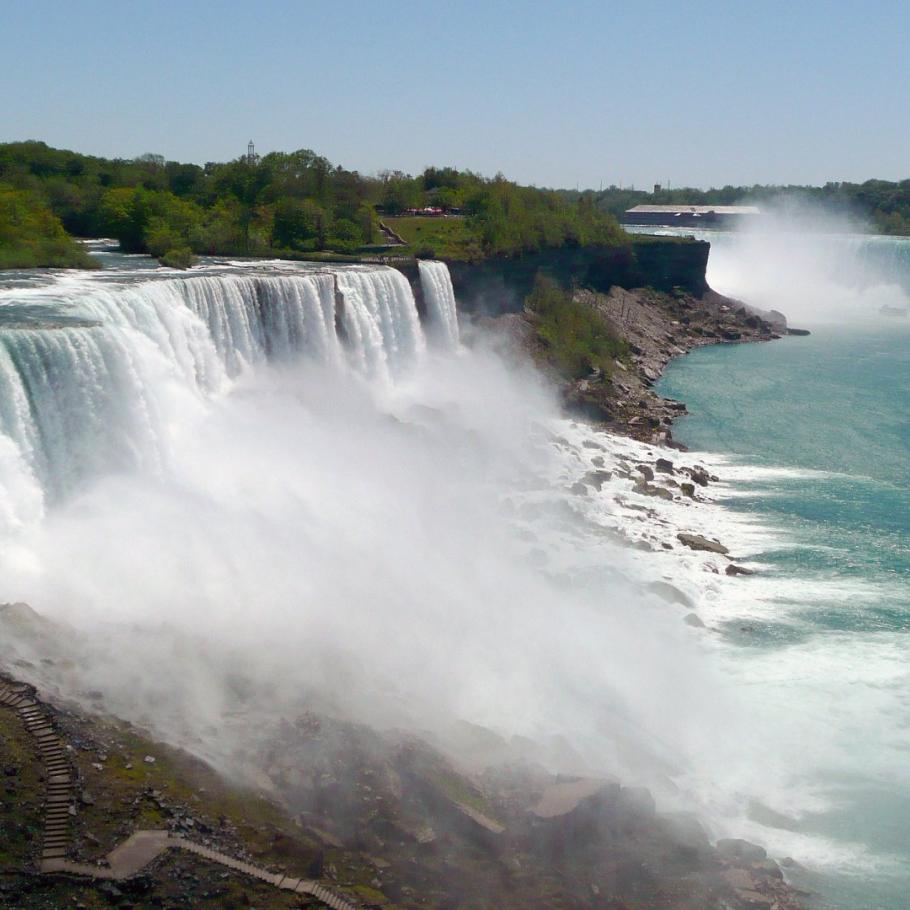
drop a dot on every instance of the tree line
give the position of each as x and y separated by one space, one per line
282 203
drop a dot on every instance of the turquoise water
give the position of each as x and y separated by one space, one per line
817 433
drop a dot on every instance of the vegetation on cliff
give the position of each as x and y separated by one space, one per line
578 339
294 203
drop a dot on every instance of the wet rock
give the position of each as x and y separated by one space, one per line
670 593
579 489
597 461
697 542
693 619
738 850
597 479
738 570
688 489
698 475
664 465
646 472
649 489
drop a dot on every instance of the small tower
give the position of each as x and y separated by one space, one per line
251 156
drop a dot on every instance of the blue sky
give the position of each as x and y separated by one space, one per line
697 93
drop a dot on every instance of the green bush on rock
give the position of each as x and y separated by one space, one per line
178 258
578 338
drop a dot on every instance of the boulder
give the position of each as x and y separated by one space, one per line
738 570
646 472
697 542
698 475
688 489
649 489
664 465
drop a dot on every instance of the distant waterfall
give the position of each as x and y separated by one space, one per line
78 400
442 317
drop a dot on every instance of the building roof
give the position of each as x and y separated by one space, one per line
695 209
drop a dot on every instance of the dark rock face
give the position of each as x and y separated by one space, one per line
500 285
738 570
664 465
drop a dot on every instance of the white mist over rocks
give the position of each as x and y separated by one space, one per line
255 492
813 267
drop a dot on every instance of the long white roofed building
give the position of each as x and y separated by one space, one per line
691 215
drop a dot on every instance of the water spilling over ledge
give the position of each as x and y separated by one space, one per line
98 375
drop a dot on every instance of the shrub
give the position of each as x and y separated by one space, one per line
178 258
579 339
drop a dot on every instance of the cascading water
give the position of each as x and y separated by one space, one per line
442 316
81 400
380 321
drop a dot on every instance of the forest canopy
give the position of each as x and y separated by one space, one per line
293 203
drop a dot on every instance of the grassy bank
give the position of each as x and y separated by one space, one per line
437 238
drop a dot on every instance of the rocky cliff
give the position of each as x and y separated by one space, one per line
500 284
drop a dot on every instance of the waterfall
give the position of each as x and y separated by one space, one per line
380 320
439 296
104 395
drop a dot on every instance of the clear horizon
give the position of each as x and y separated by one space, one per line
591 94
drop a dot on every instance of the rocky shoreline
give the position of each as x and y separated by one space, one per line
658 327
